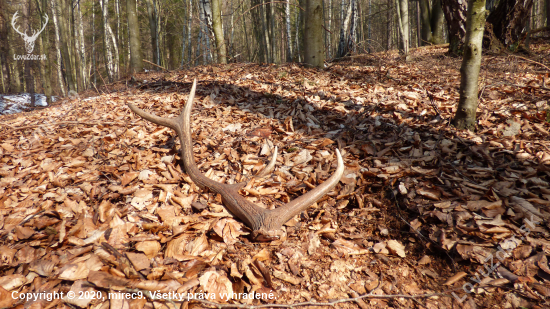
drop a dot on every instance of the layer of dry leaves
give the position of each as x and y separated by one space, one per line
93 199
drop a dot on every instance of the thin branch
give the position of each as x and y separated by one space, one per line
158 66
533 61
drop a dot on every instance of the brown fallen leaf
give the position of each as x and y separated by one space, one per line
455 278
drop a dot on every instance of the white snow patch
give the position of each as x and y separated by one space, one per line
16 103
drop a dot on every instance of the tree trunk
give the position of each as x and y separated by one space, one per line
266 35
75 48
314 47
547 13
28 64
403 19
343 48
257 28
352 37
65 46
465 117
44 45
4 49
205 16
455 13
509 20
288 34
136 58
389 25
58 47
218 31
107 40
82 49
426 35
190 52
153 26
300 31
437 20
369 29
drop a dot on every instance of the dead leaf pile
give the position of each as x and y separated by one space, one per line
93 199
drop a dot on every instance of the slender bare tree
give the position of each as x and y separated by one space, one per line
465 116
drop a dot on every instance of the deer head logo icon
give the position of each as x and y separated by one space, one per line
29 40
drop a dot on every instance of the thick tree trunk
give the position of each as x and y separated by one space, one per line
314 47
509 20
218 31
136 58
465 117
455 13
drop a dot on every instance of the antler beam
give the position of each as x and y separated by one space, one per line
265 224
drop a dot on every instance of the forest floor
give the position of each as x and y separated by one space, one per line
95 207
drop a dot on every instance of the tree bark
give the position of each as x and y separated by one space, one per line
509 19
343 48
403 19
58 48
288 34
65 46
426 34
455 13
136 58
44 45
28 64
465 117
314 47
82 49
153 27
437 20
218 31
107 40
389 25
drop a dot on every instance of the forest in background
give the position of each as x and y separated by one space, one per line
94 35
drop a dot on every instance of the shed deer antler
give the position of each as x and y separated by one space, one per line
266 224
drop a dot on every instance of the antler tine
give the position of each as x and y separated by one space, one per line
265 224
299 204
270 165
